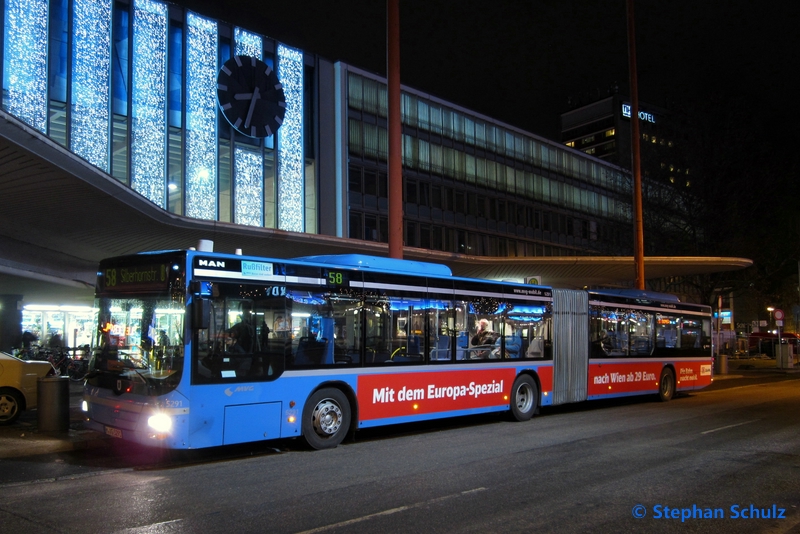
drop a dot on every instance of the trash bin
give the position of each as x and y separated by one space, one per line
52 398
721 364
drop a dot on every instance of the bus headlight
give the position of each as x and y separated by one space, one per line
160 422
84 406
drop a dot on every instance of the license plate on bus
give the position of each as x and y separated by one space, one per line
114 432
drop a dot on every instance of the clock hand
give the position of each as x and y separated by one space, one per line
256 96
242 96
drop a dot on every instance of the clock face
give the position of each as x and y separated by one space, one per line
250 96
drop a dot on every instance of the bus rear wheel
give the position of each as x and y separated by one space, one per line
524 398
326 419
666 385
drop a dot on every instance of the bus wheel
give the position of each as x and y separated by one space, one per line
666 385
326 419
524 398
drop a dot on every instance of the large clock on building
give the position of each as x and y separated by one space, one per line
250 96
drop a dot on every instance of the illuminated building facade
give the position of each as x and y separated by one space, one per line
131 87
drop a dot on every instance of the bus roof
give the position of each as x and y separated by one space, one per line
636 294
377 263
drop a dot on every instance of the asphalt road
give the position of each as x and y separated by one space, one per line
706 462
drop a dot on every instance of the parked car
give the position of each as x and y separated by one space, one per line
18 382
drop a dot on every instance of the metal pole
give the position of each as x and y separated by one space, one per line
721 360
638 233
395 174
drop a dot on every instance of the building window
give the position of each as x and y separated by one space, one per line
424 236
547 222
436 238
411 234
436 197
411 192
383 186
460 202
356 226
354 180
370 183
371 228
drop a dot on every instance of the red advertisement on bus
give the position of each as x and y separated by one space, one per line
642 376
403 394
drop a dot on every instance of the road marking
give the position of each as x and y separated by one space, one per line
153 527
727 427
390 511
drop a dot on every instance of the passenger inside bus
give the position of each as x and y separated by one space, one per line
240 338
482 343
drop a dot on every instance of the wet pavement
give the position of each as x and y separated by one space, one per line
24 437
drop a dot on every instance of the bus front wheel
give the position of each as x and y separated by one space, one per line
524 398
326 419
666 385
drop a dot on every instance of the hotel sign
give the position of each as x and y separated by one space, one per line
643 115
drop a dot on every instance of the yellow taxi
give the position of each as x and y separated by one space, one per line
18 383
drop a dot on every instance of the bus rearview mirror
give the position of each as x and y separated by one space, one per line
201 312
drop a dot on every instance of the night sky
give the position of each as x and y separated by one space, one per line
521 61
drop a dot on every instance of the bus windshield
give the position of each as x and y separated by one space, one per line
140 339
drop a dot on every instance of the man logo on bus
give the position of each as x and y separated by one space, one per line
211 263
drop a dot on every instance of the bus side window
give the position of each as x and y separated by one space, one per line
346 338
641 333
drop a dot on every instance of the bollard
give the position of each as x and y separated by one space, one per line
52 398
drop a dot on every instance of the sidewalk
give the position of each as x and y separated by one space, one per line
23 438
759 363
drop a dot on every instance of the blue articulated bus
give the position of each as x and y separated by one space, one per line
200 349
